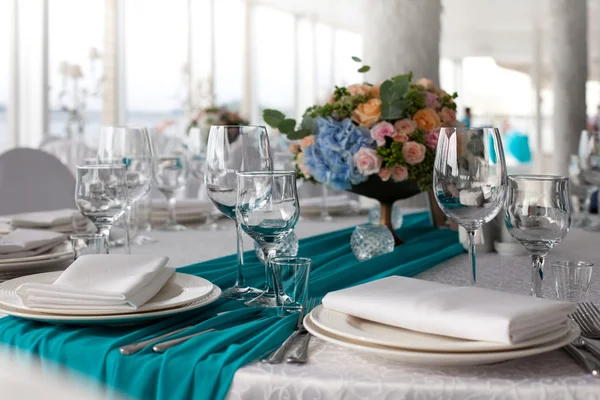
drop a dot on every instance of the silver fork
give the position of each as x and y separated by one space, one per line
300 356
588 319
277 356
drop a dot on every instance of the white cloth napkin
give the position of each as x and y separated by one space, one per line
45 219
101 281
28 242
463 312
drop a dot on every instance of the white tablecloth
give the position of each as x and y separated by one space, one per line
335 373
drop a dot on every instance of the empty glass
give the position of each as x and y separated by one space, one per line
170 176
101 194
538 216
233 149
88 243
572 280
290 276
267 210
469 179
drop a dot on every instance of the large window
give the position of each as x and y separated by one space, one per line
75 40
5 139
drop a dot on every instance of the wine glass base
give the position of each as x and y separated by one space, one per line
172 228
240 293
264 300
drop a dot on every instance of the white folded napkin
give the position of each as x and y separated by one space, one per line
101 281
463 312
45 219
28 242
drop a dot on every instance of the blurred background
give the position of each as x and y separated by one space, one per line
69 66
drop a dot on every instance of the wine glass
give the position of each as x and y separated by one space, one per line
133 148
101 194
233 149
197 150
582 189
170 176
589 151
538 216
267 210
469 179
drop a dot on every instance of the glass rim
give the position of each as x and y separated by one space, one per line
539 178
290 260
267 173
238 126
572 264
102 166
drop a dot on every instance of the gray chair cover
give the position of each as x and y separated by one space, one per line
32 180
69 152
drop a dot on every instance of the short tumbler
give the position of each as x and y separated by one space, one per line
572 280
290 277
88 243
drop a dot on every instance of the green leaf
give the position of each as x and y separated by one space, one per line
364 68
356 59
287 126
308 123
297 135
273 118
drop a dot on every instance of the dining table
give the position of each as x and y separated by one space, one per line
333 372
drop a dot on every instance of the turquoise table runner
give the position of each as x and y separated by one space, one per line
203 367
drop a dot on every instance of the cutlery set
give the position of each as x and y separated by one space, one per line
583 350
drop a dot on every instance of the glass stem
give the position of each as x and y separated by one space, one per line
471 244
324 209
268 252
240 281
537 275
586 206
171 200
127 228
104 230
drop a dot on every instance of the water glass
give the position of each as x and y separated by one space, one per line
290 277
170 176
538 215
88 243
572 280
371 240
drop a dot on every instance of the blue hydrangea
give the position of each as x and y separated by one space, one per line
329 160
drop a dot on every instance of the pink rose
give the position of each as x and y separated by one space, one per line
400 137
426 83
405 126
431 138
301 166
385 174
381 130
399 173
432 100
448 115
357 89
413 152
367 161
307 141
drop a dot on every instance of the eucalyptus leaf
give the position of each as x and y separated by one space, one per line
364 68
354 58
297 135
287 126
273 118
308 123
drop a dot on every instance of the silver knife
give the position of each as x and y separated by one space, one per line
586 361
135 347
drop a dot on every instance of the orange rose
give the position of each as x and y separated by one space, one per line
427 119
367 114
375 91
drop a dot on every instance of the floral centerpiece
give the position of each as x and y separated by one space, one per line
375 140
215 116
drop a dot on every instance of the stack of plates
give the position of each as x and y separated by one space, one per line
412 347
56 259
181 293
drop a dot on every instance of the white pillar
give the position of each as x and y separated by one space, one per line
30 90
568 50
202 53
113 95
401 36
536 80
13 102
247 107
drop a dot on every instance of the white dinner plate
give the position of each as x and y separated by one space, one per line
440 359
115 319
34 267
369 332
180 289
60 250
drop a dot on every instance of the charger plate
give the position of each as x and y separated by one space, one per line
369 332
440 359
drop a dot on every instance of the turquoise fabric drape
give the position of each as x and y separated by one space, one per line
203 367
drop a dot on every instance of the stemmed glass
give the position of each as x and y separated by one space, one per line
170 176
582 189
267 210
133 148
101 194
589 152
538 216
233 149
469 179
